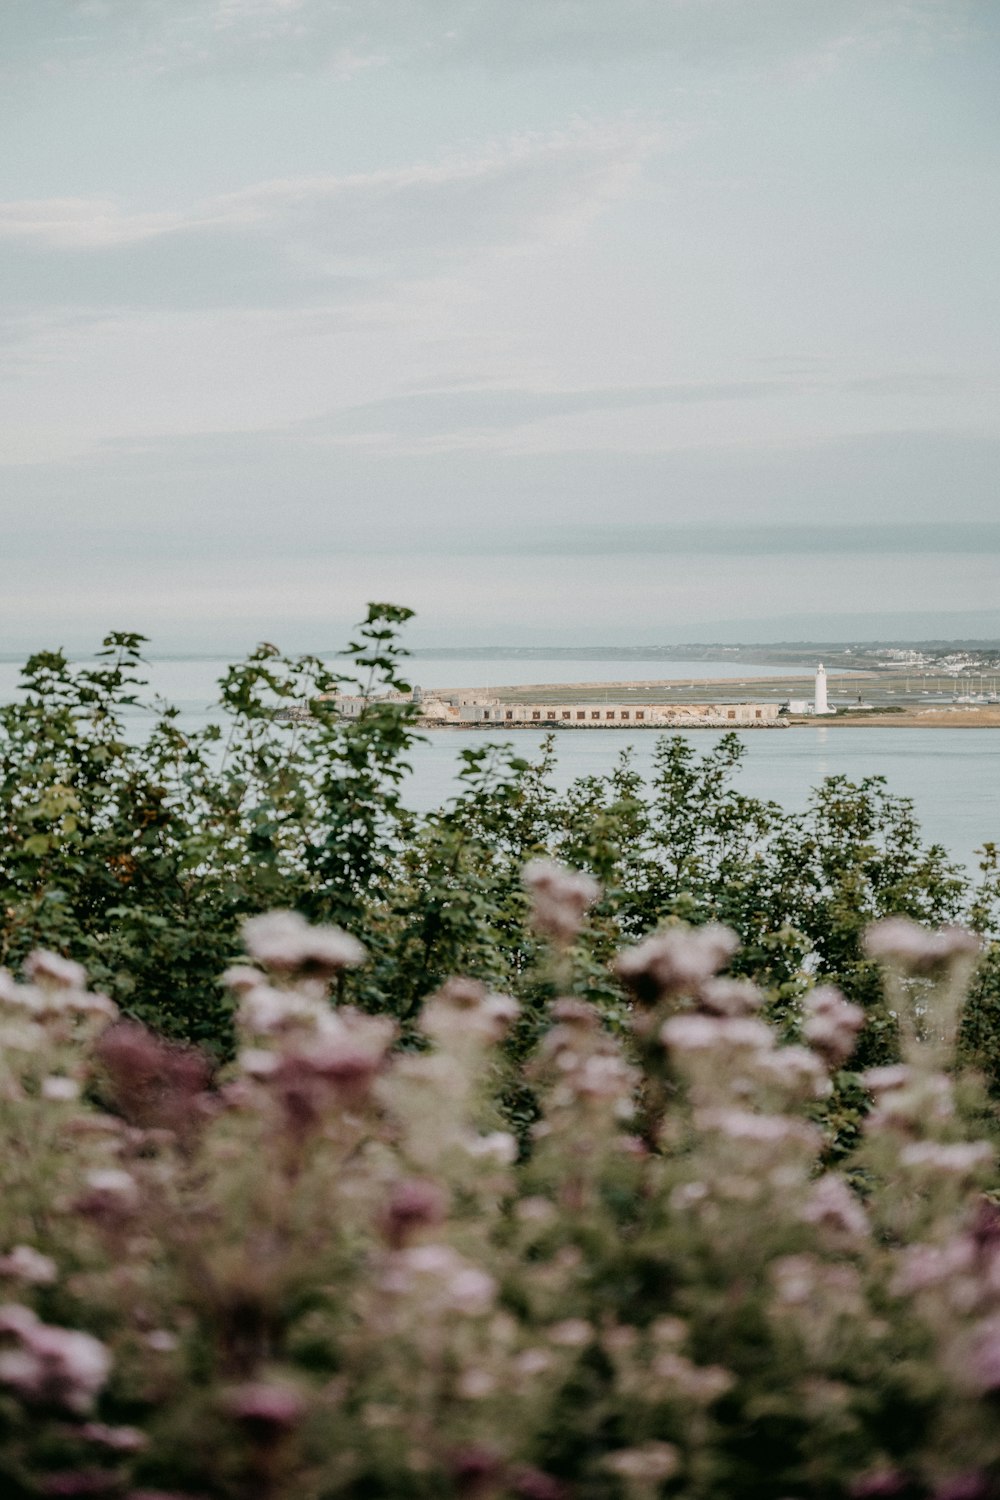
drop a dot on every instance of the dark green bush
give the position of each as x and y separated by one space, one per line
140 855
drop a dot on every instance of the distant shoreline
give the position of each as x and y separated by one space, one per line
958 719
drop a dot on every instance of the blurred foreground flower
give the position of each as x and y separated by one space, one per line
560 899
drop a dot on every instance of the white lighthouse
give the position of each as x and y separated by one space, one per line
820 705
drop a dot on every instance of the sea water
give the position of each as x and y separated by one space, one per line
952 775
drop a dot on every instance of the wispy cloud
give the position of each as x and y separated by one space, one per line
303 239
434 414
348 37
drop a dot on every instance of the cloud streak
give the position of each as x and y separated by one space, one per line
346 38
309 238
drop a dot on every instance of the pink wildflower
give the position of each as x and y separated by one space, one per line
46 968
831 1205
982 1363
701 1383
675 962
111 1196
971 1485
28 1265
266 1011
922 1266
265 1410
560 899
651 1463
465 1008
118 1439
958 1158
284 942
884 1080
907 1106
904 942
153 1083
882 1484
796 1070
571 1333
696 1033
535 1484
832 1024
569 1011
60 1090
241 977
498 1147
338 1066
760 1130
729 997
61 1366
471 1291
475 1470
415 1203
438 1274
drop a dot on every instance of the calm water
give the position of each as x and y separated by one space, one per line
953 775
190 683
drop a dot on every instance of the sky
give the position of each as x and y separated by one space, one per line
561 321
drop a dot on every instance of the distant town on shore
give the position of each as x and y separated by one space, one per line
901 686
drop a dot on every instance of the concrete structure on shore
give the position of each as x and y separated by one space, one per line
617 715
469 711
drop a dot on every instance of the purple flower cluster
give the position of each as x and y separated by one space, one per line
329 1267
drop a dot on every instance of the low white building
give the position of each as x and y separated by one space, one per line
618 715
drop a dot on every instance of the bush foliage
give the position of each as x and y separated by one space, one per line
139 851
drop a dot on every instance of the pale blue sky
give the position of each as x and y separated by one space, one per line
306 302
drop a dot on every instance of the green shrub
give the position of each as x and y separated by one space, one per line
140 855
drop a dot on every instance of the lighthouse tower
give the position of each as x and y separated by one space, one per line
820 705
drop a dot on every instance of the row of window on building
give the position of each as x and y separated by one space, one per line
615 714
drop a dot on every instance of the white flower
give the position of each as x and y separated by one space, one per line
47 968
832 1024
794 1068
693 1033
111 1188
471 1291
762 1130
560 898
54 1365
28 1265
257 1062
959 1158
676 961
284 941
571 1333
499 1146
438 1274
264 1010
649 1464
60 1089
475 1385
902 941
832 1205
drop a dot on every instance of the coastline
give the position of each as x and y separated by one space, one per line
893 699
971 719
